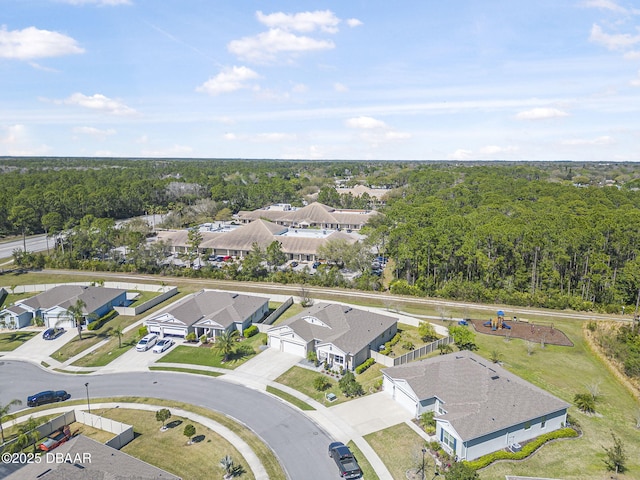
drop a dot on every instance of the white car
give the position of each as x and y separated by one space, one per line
163 345
147 342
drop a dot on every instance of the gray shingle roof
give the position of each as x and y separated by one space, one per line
106 464
348 328
223 308
313 214
480 397
66 295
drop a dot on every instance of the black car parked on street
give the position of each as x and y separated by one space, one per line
48 396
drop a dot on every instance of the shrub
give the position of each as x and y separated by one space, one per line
250 331
364 365
408 346
349 386
191 337
321 383
394 340
203 338
96 324
142 331
585 402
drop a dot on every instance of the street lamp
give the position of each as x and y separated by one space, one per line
424 450
88 404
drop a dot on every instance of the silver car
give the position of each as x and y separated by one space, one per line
163 345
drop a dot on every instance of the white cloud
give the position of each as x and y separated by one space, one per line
541 114
270 137
101 134
354 22
365 123
496 150
633 55
230 136
99 102
229 80
14 140
605 5
460 154
266 46
324 20
100 3
393 135
617 41
603 140
339 87
30 43
173 151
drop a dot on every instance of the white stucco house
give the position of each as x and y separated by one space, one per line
479 406
209 312
53 305
339 334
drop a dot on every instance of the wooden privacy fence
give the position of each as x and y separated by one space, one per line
411 355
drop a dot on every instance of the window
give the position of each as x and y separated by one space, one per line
527 425
448 440
543 422
338 359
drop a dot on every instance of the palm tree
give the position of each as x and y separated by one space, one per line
4 409
117 331
226 463
225 343
77 313
27 435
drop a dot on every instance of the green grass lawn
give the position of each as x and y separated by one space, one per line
187 370
12 340
293 310
209 356
289 398
367 470
400 449
143 296
14 297
196 461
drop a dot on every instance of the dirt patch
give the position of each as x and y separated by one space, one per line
526 331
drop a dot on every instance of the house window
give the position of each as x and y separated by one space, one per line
543 423
527 425
448 440
338 359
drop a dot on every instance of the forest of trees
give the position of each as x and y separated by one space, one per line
556 235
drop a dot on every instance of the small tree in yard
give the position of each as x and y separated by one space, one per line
461 471
427 332
321 383
463 338
428 422
189 432
117 332
349 386
4 409
230 468
225 343
616 456
585 402
163 415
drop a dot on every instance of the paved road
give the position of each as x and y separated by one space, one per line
36 243
298 442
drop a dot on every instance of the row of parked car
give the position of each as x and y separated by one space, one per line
153 342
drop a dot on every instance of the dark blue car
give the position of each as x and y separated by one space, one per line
51 333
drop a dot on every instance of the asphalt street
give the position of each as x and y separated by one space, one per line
298 442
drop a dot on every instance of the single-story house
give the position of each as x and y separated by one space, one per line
209 312
53 304
14 317
340 335
479 406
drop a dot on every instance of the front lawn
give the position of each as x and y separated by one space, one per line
400 449
367 470
196 461
209 356
12 340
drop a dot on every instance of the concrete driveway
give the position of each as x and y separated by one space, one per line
371 413
269 364
38 349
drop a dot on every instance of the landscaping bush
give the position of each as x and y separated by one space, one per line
191 337
250 331
102 320
364 365
142 331
204 339
349 386
321 383
527 449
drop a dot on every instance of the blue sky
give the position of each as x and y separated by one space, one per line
359 79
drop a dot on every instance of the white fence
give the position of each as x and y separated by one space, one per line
411 355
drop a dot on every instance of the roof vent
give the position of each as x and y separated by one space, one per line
495 377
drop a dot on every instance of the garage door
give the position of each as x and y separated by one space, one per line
295 348
274 342
405 400
182 332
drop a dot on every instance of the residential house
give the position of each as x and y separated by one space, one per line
53 305
479 406
339 334
209 312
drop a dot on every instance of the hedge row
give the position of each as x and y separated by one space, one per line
527 449
250 331
364 365
95 325
390 343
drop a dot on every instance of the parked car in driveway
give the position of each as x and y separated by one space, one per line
48 396
52 333
163 345
147 342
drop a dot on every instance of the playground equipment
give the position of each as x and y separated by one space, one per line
498 323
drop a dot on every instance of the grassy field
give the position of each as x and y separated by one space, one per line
187 370
289 398
169 450
211 357
367 470
399 448
12 340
